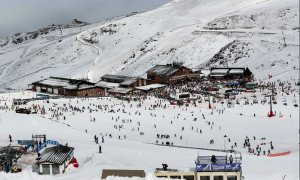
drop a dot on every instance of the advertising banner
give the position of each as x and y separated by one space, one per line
218 167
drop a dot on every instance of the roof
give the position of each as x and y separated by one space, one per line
57 154
116 77
221 71
237 71
122 173
85 86
229 70
166 70
105 84
129 81
149 87
71 87
61 82
79 87
217 75
224 70
120 90
52 81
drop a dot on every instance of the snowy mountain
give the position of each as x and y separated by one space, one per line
260 34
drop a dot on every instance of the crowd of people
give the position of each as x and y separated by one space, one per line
128 112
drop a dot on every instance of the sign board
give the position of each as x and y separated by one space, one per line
218 167
26 142
203 167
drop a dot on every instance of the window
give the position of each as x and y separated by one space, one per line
46 169
218 177
55 169
231 177
175 177
44 89
204 177
49 90
188 177
55 91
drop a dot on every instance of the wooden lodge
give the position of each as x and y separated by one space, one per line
125 81
54 160
84 90
61 86
117 84
165 74
230 74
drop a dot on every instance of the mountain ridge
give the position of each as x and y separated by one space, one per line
262 35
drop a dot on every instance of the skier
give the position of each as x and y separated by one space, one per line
100 149
213 159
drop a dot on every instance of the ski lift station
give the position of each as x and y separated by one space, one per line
222 168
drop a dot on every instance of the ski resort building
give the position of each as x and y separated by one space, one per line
230 74
60 86
54 160
84 90
165 74
149 87
116 84
206 169
125 81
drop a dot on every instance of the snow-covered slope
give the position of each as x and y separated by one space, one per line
134 127
260 34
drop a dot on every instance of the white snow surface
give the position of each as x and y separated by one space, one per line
138 151
260 34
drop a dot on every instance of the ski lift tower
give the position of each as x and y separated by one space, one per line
271 114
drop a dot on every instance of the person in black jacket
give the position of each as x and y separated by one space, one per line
213 159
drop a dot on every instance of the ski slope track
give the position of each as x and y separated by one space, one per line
140 123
